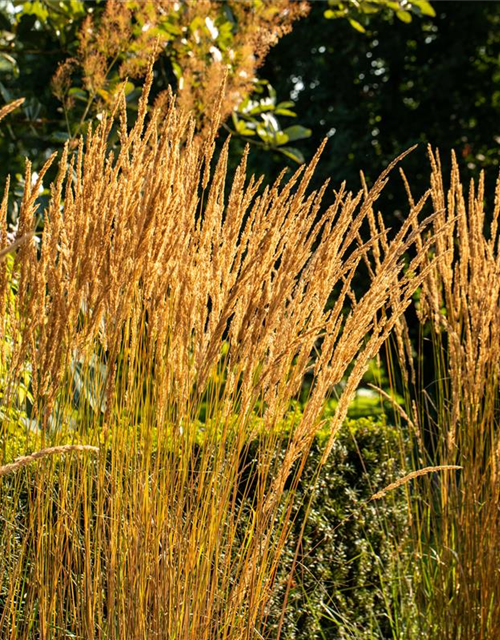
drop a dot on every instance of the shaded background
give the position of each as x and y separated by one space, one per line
434 80
374 95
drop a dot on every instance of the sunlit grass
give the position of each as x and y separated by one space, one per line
171 325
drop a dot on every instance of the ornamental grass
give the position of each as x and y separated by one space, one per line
169 316
449 381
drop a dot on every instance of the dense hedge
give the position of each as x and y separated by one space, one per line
350 563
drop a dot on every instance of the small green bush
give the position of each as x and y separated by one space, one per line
345 583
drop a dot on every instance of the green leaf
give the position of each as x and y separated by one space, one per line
196 23
373 7
78 94
176 68
169 28
105 95
332 15
36 9
129 87
356 25
243 104
261 108
395 6
297 132
285 112
242 128
264 134
59 136
294 154
404 16
425 7
285 105
8 64
280 138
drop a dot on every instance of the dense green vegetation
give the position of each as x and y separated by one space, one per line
434 80
373 93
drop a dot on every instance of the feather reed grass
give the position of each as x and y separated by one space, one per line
451 390
411 476
22 461
170 318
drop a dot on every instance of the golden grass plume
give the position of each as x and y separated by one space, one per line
171 317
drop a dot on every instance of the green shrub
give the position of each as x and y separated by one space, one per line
345 584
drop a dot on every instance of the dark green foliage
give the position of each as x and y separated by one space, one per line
375 94
36 37
345 584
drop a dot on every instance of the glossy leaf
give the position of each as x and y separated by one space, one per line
297 132
425 7
281 138
404 16
285 112
357 25
292 153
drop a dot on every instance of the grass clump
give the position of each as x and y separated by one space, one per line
162 302
450 384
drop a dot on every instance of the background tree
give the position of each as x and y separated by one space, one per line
375 94
71 59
